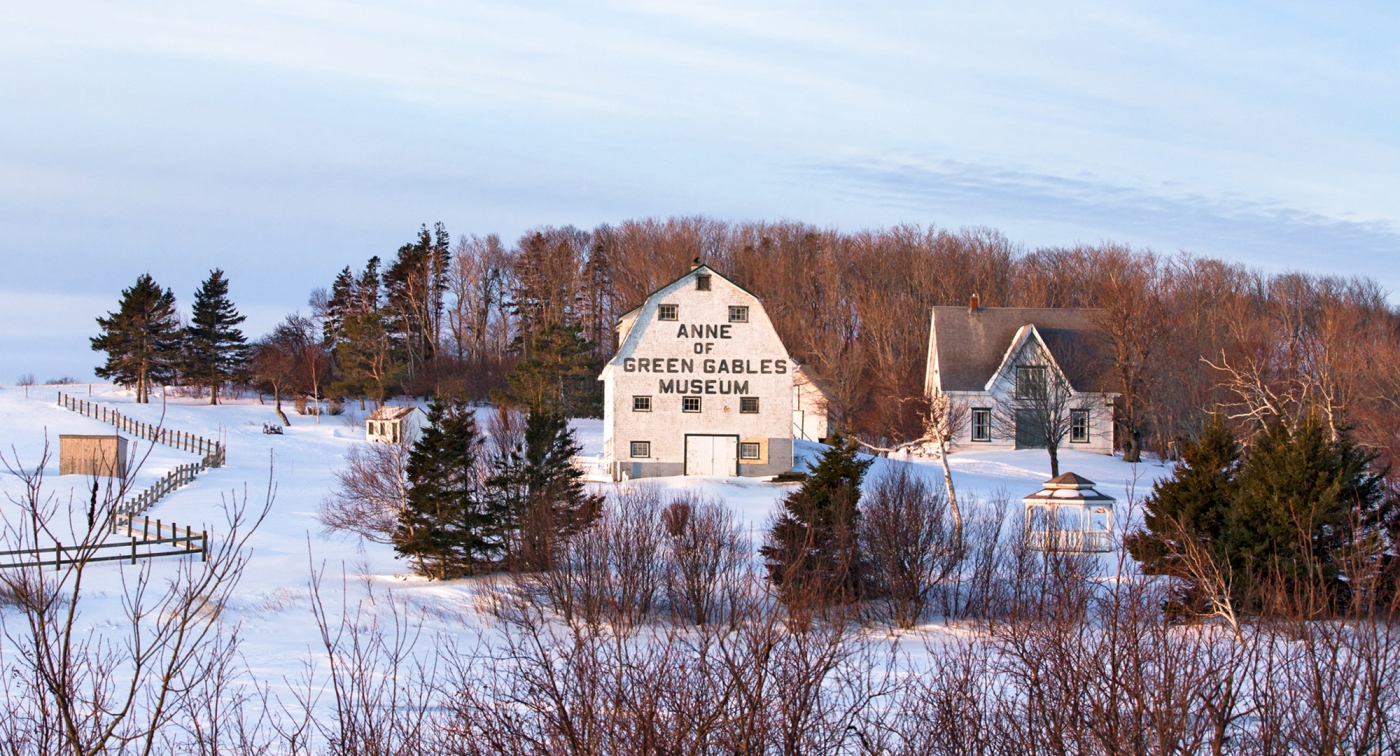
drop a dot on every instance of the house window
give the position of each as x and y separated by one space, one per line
1079 426
981 424
748 405
641 404
750 450
1030 381
738 314
641 449
702 282
690 404
666 312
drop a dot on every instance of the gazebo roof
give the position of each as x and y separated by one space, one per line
1068 488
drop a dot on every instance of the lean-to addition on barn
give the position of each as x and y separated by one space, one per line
701 385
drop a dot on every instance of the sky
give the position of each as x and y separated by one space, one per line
283 141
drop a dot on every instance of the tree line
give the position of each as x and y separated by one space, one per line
1185 334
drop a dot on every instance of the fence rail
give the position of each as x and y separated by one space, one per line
212 452
180 476
88 553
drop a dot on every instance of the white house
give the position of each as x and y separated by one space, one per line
389 425
702 385
996 365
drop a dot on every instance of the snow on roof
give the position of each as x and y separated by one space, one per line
386 412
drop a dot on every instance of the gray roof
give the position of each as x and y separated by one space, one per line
388 412
971 345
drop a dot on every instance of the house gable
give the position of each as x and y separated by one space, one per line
1027 348
968 348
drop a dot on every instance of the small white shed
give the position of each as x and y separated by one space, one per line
389 425
1068 514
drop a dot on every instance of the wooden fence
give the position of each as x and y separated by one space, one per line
180 476
126 515
183 545
211 451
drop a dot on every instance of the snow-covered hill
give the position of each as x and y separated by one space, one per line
271 603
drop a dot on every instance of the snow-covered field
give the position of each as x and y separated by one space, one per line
272 604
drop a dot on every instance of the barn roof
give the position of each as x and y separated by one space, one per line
971 345
682 276
385 412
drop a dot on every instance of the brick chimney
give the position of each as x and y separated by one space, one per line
973 305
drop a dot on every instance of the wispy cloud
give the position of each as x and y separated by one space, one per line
1059 209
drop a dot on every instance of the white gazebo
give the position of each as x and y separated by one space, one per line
1067 514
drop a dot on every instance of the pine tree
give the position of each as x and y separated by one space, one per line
448 527
811 551
1300 501
558 375
543 496
215 350
363 346
142 339
1194 503
414 286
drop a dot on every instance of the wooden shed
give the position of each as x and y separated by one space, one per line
389 425
92 455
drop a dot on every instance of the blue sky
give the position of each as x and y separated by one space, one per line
282 141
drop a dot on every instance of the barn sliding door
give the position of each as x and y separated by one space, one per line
712 455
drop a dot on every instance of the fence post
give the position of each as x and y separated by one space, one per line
133 549
57 555
204 545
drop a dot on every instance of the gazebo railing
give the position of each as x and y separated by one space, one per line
1088 541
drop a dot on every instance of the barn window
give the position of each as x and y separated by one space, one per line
667 312
981 424
738 314
1079 426
690 404
702 282
641 448
641 404
750 450
748 405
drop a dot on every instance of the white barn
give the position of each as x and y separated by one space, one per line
987 360
702 385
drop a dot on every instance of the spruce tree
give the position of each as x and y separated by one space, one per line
141 339
542 495
215 350
559 375
1301 499
448 527
811 551
1194 503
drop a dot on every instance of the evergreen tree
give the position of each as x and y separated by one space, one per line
811 551
1288 508
1194 503
363 345
1301 498
448 527
559 375
215 350
141 339
542 495
414 286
